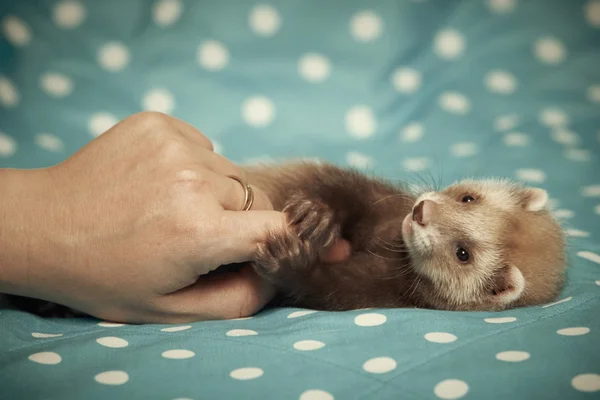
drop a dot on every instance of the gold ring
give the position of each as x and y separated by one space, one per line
248 192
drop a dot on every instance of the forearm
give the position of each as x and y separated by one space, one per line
24 222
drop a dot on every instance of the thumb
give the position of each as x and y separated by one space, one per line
242 231
222 295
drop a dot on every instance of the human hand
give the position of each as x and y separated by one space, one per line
133 219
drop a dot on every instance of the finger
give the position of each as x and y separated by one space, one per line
339 251
240 234
220 164
191 133
225 295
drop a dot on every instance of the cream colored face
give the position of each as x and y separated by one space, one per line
481 245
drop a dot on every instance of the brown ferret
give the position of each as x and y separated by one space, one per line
476 245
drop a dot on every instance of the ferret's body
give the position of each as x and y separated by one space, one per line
476 245
500 248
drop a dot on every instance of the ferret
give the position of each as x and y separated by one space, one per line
477 245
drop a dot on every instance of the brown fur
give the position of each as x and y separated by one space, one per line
323 201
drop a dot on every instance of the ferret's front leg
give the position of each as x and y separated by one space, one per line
312 226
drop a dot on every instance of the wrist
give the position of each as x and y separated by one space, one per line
27 256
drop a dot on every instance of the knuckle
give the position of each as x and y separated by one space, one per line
149 120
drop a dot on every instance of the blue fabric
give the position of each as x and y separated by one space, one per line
405 89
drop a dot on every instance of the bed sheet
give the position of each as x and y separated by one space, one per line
433 90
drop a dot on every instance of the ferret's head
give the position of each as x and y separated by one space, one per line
486 245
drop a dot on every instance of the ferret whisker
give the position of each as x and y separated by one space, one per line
390 246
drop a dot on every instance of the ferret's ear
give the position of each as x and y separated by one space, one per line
535 199
509 285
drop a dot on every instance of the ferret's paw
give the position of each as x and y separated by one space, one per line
312 220
284 252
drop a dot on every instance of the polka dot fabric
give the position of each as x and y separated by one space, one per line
403 89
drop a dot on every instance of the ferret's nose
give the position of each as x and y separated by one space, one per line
422 212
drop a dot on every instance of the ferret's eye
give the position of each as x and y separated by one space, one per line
462 255
467 198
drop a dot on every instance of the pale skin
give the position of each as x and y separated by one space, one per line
127 228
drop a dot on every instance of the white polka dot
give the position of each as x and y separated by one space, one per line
500 320
578 331
465 149
579 155
39 335
244 374
112 377
113 56
597 209
359 160
591 191
8 145
370 319
100 123
531 175
314 67
502 6
380 365
217 147
297 314
176 328
166 12
440 337
110 324
9 95
592 13
554 118
506 122
449 44
416 164
264 20
316 394
307 345
46 357
212 55
588 255
258 111
247 318
241 332
412 132
577 233
406 80
598 282
586 382
361 122
48 141
565 137
160 100
178 354
593 93
16 31
69 14
113 342
366 26
513 356
501 82
549 50
455 103
516 139
451 389
558 302
564 213
55 84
